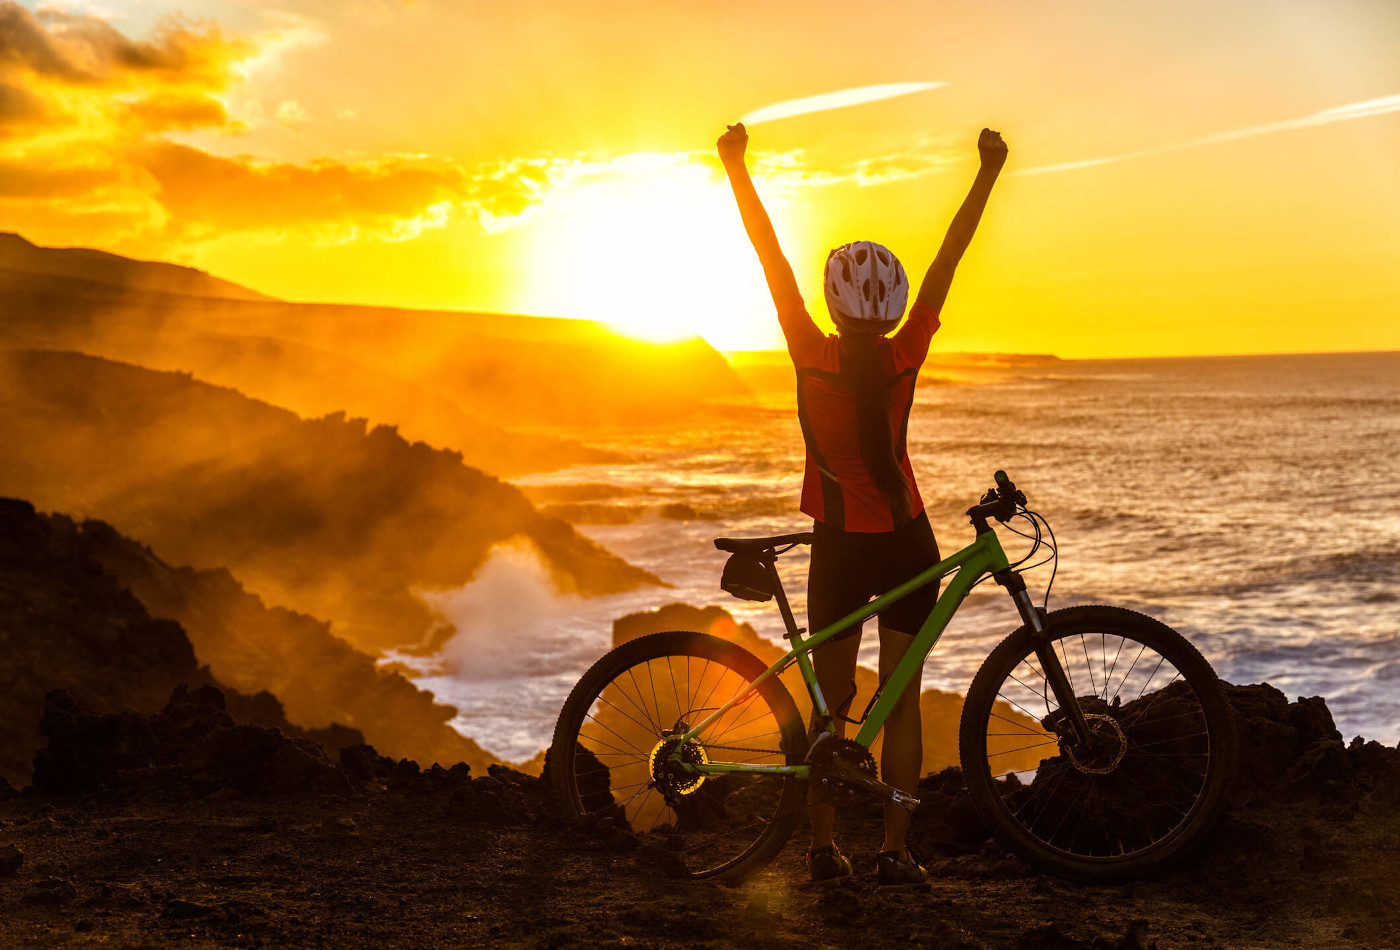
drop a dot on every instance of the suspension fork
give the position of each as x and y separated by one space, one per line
1045 651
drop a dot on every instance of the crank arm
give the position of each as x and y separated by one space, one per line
876 787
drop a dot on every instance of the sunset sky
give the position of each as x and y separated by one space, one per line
1188 177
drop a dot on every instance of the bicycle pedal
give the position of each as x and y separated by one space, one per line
903 800
877 787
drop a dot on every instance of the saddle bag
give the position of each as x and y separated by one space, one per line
746 577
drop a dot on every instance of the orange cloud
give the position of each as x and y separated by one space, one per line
88 115
204 192
85 119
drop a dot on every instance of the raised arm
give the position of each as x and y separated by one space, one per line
940 273
781 284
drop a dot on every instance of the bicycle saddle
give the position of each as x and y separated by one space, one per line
755 545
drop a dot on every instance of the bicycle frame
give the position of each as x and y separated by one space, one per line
983 556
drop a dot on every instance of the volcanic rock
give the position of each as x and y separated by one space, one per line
50 890
11 859
191 747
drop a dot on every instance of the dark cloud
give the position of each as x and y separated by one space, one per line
57 69
27 44
87 49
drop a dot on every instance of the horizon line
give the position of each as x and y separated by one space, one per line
1101 359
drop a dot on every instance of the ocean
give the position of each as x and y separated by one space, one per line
1246 501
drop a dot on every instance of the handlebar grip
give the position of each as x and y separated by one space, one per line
1001 478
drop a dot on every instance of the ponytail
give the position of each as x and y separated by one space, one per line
860 371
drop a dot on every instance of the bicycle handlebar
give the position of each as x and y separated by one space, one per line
1000 502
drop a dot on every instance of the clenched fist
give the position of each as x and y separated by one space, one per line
992 149
732 143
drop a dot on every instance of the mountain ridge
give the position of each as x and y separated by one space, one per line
18 253
327 516
505 369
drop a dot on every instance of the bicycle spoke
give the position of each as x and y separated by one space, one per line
705 704
712 820
1108 677
1160 661
1015 723
1144 745
620 736
651 680
1137 780
1123 682
1103 656
1028 713
1089 665
1032 692
1141 713
642 708
993 755
1065 664
623 713
1139 720
692 700
635 705
675 693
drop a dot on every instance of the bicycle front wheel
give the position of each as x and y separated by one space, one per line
613 745
1154 772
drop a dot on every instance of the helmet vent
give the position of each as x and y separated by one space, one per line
868 291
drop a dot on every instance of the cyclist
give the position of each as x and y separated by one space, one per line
854 392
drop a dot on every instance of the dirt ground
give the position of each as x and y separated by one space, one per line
185 827
397 868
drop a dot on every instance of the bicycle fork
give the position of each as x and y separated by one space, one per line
1050 664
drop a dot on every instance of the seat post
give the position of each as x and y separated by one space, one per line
770 561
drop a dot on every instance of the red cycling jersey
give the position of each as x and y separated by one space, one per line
838 490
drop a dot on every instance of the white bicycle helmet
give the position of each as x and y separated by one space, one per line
866 288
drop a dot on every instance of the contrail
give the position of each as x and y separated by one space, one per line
836 100
1356 110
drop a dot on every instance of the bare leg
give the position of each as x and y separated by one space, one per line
904 741
835 663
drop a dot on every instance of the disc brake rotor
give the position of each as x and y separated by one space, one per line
1107 746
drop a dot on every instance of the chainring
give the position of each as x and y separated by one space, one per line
825 784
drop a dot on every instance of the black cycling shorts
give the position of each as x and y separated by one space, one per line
850 567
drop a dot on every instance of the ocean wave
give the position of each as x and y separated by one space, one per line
1196 491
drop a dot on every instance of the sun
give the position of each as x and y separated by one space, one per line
656 250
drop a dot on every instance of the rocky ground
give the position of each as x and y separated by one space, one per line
186 827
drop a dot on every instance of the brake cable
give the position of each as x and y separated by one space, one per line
1036 519
1054 556
1035 539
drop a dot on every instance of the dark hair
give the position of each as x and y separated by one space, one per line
860 371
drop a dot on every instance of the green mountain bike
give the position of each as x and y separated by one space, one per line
1096 742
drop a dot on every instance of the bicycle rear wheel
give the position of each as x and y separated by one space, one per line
616 733
1152 778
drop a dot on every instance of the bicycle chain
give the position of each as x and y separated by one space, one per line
739 748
